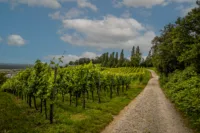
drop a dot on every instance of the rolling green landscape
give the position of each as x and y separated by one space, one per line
85 93
76 109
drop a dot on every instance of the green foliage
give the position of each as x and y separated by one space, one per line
136 56
2 78
178 45
183 88
148 61
79 82
105 59
17 117
133 51
121 59
111 60
71 80
175 54
116 60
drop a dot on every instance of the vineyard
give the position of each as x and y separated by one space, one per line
76 88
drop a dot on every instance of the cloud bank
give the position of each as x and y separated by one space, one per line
110 32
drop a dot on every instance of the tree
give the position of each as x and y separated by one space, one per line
111 61
137 52
116 59
126 63
71 63
2 78
121 59
177 46
106 58
136 57
54 89
133 51
148 61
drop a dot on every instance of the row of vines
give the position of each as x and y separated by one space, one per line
80 83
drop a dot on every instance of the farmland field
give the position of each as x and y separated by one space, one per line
86 98
91 66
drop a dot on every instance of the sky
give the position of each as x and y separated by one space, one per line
43 29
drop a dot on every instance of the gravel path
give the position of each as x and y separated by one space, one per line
150 112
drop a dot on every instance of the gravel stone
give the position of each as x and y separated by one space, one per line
150 112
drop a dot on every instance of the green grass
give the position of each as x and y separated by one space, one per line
17 117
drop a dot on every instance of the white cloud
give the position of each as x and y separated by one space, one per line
16 40
147 3
90 55
142 3
86 4
179 1
183 1
45 3
68 58
54 4
110 32
83 4
72 13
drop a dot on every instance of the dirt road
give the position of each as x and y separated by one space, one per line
150 112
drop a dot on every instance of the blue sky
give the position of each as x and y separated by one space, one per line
43 29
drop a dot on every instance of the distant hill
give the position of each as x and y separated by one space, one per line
14 66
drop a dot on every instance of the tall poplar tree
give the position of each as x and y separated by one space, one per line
116 59
136 57
121 59
133 51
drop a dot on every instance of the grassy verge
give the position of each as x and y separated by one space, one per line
17 117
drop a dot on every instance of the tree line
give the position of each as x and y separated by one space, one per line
178 46
176 55
113 59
